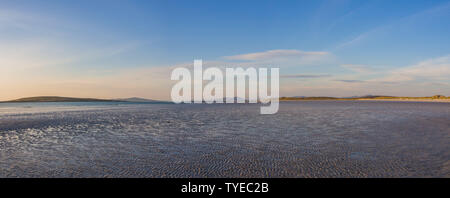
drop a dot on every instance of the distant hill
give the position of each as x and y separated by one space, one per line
136 99
368 97
58 99
308 98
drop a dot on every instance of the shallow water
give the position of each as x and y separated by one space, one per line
304 139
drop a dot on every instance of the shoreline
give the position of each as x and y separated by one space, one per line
382 100
408 100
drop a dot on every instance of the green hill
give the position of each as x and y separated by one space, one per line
58 99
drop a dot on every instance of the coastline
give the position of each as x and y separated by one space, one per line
380 100
408 100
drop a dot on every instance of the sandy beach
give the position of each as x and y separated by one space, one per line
409 100
304 139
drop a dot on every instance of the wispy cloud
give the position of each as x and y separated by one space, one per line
358 68
393 24
350 81
356 39
305 76
34 40
433 70
46 53
277 54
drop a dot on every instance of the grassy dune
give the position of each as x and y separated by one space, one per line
385 98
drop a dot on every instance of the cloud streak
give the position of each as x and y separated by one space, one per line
358 68
305 76
434 70
350 81
276 54
393 25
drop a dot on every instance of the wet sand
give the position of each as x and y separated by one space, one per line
307 139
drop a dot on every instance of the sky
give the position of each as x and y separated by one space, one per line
119 49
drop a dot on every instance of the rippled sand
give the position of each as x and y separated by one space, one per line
305 139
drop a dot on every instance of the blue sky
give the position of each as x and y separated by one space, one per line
127 48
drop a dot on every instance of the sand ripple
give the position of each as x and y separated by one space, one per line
305 139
